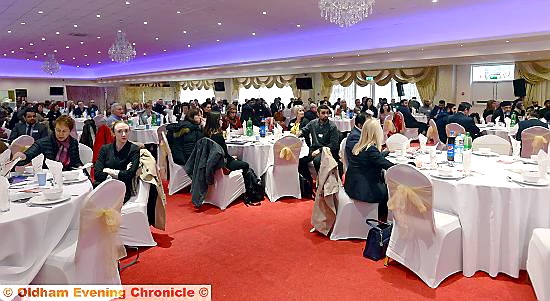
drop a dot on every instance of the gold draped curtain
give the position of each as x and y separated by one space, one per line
205 84
424 78
268 81
537 77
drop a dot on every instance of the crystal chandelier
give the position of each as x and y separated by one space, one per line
51 65
345 12
122 50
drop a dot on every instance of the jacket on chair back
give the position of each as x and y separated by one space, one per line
182 137
206 158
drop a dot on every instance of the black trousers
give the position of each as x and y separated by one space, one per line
237 164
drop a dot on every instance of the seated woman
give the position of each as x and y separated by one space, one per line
366 156
60 146
232 118
297 124
119 159
385 111
183 136
213 131
53 114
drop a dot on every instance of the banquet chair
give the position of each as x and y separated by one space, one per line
388 127
74 133
410 133
433 134
178 177
86 155
282 178
533 140
226 188
538 263
426 241
342 153
21 143
162 161
456 128
494 142
395 142
134 224
350 217
90 254
99 120
488 118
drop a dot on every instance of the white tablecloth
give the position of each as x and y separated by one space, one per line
29 234
258 155
421 118
343 125
497 216
145 136
79 123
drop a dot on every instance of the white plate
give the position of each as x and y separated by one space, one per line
453 176
80 179
41 200
519 179
489 154
528 161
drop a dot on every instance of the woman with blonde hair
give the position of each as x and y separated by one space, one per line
364 178
297 124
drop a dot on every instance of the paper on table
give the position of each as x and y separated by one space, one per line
37 163
8 166
4 194
56 168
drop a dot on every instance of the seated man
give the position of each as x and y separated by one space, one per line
531 121
117 112
462 117
410 121
320 132
355 134
29 127
312 112
426 107
79 110
504 110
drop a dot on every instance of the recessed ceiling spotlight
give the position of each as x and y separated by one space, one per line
31 44
99 62
507 41
75 25
5 54
85 55
156 38
81 43
77 66
298 25
13 51
145 22
388 51
264 13
99 52
98 37
9 31
63 61
178 12
220 23
98 16
20 48
87 64
120 30
55 50
28 59
44 54
22 23
434 1
43 39
188 45
36 56
57 32
134 44
74 58
164 50
144 53
253 33
461 45
185 31
358 55
40 12
67 46
127 3
216 41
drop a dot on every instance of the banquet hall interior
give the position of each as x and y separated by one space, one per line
278 150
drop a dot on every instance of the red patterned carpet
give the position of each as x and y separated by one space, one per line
267 253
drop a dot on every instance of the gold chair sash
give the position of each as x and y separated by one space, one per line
538 141
389 126
287 151
404 199
431 134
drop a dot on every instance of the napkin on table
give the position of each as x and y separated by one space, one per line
4 194
37 163
507 121
542 162
56 168
423 140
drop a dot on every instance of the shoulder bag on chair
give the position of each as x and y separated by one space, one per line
377 240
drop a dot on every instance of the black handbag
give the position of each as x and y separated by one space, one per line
377 240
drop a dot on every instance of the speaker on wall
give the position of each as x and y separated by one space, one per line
304 83
219 86
519 87
400 91
20 93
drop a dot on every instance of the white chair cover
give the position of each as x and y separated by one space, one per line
342 153
388 127
225 189
494 142
395 142
162 161
99 120
410 133
534 139
21 143
455 127
90 254
178 177
282 179
86 154
427 242
488 118
351 216
134 226
538 263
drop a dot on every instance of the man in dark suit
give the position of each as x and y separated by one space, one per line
29 127
462 117
355 133
531 121
277 106
503 111
410 121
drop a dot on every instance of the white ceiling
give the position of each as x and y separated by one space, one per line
400 24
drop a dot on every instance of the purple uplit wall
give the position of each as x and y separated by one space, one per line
20 68
487 20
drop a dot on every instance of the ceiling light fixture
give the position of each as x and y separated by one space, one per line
156 38
188 45
98 37
57 32
220 23
31 44
51 66
43 39
75 25
178 12
81 43
253 33
9 31
434 1
185 31
298 25
63 61
23 23
145 23
264 13
98 16
127 2
345 13
40 12
99 52
122 51
67 46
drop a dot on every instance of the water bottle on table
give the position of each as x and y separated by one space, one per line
451 146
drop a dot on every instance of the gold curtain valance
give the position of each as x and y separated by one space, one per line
206 84
268 81
537 76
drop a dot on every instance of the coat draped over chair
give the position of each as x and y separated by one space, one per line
323 216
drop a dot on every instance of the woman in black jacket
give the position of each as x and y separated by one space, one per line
370 106
364 178
59 146
213 130
52 115
183 136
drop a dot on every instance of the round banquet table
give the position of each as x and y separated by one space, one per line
258 154
343 125
79 123
497 215
421 118
29 234
145 136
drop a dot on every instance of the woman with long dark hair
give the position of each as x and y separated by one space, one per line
213 131
385 111
183 136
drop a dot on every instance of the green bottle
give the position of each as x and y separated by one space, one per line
467 142
249 129
514 119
